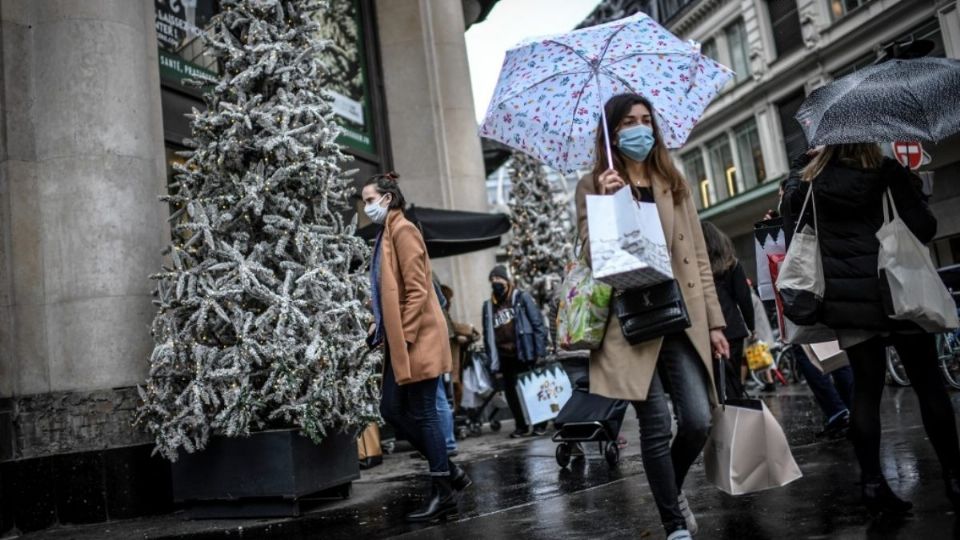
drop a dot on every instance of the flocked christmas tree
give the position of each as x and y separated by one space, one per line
262 314
542 239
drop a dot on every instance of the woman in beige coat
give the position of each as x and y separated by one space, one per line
409 322
679 364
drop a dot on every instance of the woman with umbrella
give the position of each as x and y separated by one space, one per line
409 324
849 182
679 363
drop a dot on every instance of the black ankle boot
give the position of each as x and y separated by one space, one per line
459 479
879 498
442 502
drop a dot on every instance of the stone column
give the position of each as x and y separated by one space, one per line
81 166
433 131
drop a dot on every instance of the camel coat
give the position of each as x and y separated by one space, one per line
416 331
622 371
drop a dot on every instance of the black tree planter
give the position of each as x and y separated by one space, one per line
264 475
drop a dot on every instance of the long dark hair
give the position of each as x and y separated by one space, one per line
658 162
720 248
387 183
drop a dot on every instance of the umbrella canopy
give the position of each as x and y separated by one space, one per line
898 100
452 232
550 95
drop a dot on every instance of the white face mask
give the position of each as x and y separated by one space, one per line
376 213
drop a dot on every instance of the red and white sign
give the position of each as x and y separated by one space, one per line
909 154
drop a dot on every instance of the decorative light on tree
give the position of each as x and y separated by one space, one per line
262 314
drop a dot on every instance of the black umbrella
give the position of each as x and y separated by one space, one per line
897 100
452 232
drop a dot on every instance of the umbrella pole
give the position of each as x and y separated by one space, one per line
606 130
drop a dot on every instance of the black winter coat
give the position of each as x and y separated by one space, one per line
850 212
736 302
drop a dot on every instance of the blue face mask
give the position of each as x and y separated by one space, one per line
636 142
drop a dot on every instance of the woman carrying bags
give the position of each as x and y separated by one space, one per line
409 323
736 301
849 182
680 363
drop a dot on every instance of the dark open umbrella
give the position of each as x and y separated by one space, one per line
452 232
898 100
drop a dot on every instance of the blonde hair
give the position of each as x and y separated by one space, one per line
861 155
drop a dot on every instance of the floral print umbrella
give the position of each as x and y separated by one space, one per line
548 100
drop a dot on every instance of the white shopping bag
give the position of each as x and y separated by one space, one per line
627 246
913 291
543 392
827 357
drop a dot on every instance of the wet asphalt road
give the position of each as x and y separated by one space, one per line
521 492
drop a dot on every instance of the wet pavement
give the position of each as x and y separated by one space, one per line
521 492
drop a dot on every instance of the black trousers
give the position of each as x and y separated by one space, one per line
918 352
511 368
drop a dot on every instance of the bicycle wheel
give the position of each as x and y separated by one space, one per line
897 376
786 362
757 376
949 360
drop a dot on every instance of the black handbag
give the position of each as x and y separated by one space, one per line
651 312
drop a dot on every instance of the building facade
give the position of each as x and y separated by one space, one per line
92 102
741 150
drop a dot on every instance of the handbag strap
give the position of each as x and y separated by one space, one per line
889 207
813 202
722 391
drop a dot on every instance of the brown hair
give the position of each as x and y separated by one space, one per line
720 248
658 161
861 155
387 183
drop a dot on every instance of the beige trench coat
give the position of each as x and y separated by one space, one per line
415 328
622 371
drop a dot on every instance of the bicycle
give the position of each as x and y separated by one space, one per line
948 356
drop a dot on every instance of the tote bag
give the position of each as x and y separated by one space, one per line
800 281
911 288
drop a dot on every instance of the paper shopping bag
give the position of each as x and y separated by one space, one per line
827 357
747 450
627 246
543 392
768 240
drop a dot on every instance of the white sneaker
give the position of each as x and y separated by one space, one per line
682 534
687 515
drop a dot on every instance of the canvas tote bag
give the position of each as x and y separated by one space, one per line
911 288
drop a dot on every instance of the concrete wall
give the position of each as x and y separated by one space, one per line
81 165
433 131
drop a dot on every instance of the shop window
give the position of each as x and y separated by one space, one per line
709 49
793 138
723 169
785 25
840 8
750 153
697 176
736 35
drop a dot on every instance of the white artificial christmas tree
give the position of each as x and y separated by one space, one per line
542 229
262 314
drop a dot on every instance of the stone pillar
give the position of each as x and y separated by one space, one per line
81 166
433 131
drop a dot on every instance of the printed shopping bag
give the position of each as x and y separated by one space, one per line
747 450
800 281
583 309
912 288
768 240
627 246
543 392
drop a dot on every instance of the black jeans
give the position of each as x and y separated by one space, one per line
412 410
511 368
918 352
681 372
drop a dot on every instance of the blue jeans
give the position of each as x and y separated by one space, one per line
412 410
833 396
681 372
446 416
